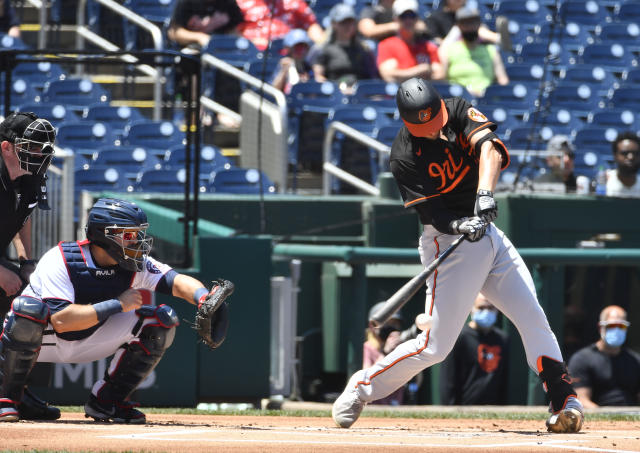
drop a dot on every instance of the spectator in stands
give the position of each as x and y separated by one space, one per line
606 373
293 67
377 22
623 181
408 54
266 20
470 62
194 21
344 58
442 26
9 21
381 341
475 371
560 163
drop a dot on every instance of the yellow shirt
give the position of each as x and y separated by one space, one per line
471 68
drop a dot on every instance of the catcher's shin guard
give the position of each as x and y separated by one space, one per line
20 345
134 361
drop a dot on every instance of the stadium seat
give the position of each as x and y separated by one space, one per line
595 138
387 134
523 12
517 97
75 94
597 77
523 72
377 93
171 181
116 117
210 156
22 92
240 181
235 50
588 12
626 96
448 90
103 178
129 160
579 98
624 33
614 57
55 113
11 43
524 138
632 77
539 52
572 36
627 11
561 120
84 137
618 118
155 11
38 73
155 136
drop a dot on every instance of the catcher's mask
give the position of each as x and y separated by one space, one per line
120 227
32 138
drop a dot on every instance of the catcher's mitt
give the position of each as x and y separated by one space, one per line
212 317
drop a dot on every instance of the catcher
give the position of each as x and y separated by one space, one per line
83 304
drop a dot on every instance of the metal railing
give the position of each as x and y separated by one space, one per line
83 32
329 169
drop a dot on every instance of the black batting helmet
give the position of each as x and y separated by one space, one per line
120 227
421 107
32 138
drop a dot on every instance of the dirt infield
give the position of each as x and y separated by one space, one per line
220 433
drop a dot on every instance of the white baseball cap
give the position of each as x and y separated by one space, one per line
401 6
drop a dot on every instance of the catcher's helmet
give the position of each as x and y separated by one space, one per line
120 227
421 107
32 138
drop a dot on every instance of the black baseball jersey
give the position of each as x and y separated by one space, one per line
440 177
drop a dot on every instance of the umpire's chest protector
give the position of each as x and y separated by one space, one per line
92 284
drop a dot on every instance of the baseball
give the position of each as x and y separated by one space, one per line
423 321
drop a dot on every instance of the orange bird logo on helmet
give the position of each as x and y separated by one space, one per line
424 115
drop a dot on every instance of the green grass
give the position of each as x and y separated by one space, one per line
405 413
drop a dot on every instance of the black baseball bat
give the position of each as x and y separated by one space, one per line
406 292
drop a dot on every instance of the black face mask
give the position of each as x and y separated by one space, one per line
470 36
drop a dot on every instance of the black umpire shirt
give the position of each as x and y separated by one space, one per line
17 200
440 177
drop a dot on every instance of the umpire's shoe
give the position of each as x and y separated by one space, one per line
347 408
33 408
116 412
569 419
8 413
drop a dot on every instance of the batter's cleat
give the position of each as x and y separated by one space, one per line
347 408
33 408
8 413
116 412
569 419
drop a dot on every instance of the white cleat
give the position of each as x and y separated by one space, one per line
347 408
569 419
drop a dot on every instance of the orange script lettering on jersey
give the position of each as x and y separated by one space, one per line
448 172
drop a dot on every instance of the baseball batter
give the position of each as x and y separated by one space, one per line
446 160
83 304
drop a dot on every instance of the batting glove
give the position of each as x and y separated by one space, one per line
486 207
472 227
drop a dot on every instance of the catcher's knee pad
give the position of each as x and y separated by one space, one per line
135 360
20 344
556 381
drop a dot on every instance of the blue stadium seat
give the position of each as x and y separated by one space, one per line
517 97
210 158
75 94
84 137
523 72
129 160
588 12
387 134
572 36
579 98
162 181
9 42
632 77
101 178
235 50
240 181
620 118
597 77
315 96
524 138
587 162
614 57
55 113
539 52
523 12
595 138
155 136
505 118
116 117
625 33
377 93
627 11
38 73
561 121
626 96
448 90
156 11
22 92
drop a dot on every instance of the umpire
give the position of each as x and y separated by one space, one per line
26 142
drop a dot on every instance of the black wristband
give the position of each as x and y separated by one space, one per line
25 262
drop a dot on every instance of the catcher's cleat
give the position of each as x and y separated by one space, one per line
347 408
116 412
569 419
8 413
33 408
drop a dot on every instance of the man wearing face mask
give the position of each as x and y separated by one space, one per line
607 373
470 62
475 371
26 143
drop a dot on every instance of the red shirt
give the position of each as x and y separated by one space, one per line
407 55
286 15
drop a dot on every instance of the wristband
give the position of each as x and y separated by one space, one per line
199 295
26 262
107 308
